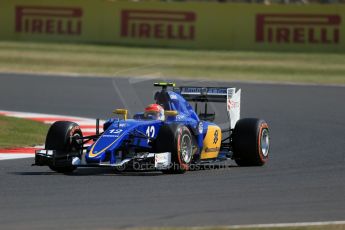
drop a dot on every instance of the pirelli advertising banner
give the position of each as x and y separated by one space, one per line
200 25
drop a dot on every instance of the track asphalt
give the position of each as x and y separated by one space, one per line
303 181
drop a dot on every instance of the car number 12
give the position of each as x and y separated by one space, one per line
150 132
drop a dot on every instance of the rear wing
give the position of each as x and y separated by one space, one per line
215 94
203 94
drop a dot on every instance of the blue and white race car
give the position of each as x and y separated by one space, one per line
170 136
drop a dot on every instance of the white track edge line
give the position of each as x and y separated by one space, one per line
33 115
28 115
12 156
295 224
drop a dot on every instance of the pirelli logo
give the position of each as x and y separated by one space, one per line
157 24
298 28
48 20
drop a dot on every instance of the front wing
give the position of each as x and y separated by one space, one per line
142 161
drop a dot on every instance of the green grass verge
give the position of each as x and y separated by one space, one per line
16 132
98 60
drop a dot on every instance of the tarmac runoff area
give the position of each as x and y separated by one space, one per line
302 182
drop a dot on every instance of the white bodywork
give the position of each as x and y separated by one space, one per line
233 105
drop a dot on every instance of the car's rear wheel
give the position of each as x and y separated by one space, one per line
251 142
178 140
60 137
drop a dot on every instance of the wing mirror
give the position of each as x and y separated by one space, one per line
123 112
170 113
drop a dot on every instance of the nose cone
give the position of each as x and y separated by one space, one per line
109 141
112 139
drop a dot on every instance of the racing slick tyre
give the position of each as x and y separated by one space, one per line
59 138
178 140
251 142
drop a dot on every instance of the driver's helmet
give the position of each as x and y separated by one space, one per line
154 111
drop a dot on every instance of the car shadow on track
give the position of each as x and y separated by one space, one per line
88 172
111 172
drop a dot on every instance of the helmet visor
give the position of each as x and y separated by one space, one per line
151 115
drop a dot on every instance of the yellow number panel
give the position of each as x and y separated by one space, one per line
212 142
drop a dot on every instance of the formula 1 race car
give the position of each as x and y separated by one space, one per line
182 137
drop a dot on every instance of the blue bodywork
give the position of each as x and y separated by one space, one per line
134 135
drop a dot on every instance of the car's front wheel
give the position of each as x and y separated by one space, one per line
178 140
60 137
